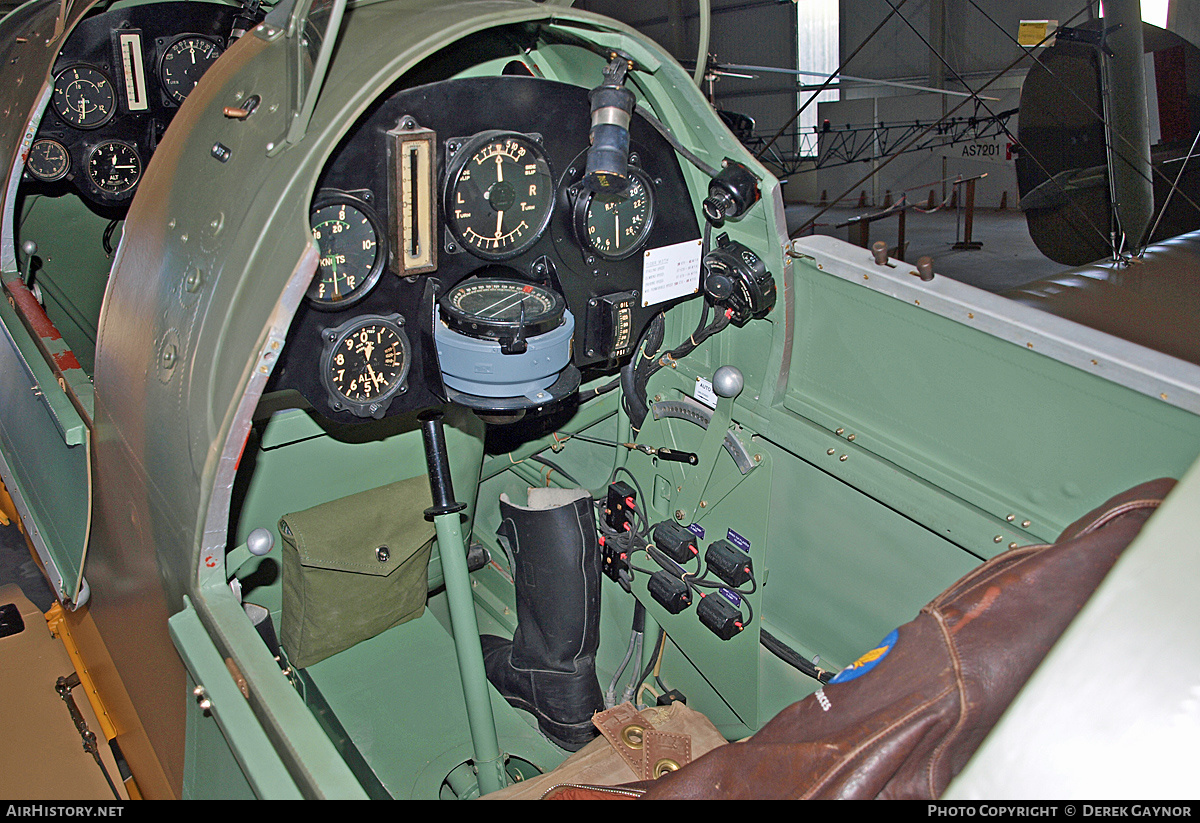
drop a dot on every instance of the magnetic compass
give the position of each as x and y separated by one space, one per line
503 310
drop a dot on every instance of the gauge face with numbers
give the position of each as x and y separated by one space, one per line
48 160
499 194
615 226
114 167
184 63
348 235
365 363
494 308
84 97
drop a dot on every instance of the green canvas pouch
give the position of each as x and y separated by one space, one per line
354 567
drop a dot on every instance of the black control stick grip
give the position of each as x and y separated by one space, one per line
441 487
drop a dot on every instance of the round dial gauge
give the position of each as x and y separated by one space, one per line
347 233
84 97
615 226
499 309
499 194
184 63
365 363
48 160
114 167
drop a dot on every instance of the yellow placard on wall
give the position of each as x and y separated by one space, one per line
1033 32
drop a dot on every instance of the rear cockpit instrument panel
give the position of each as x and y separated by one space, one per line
453 227
117 83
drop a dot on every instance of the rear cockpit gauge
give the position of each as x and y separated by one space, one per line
615 226
114 167
48 160
499 193
506 311
365 363
348 235
184 62
84 97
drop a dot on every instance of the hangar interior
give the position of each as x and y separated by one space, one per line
914 144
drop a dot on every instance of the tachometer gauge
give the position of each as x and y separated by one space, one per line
365 363
348 235
184 62
499 309
499 194
114 167
615 226
84 97
48 160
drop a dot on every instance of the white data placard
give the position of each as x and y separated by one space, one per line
670 271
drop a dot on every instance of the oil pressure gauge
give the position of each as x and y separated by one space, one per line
365 363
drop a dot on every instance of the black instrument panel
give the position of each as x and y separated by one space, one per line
117 83
478 179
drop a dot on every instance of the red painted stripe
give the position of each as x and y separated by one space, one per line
28 306
66 360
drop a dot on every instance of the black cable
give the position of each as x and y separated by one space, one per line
675 144
554 467
658 644
106 239
790 656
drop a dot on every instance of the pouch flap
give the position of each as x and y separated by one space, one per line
373 532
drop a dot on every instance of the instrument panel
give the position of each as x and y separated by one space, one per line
457 208
118 82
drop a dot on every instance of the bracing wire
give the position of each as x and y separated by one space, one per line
1094 113
813 219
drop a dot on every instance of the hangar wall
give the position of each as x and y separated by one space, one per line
763 33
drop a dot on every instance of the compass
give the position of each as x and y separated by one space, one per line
502 310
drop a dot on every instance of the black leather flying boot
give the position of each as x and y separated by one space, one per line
549 667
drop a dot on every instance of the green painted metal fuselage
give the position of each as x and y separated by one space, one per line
890 434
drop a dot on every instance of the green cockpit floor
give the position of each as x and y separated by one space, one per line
399 698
